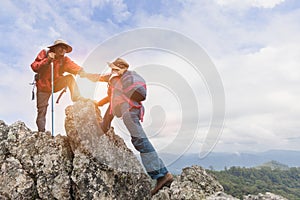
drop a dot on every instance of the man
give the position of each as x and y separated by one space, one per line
131 113
61 64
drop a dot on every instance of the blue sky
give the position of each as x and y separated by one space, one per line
254 45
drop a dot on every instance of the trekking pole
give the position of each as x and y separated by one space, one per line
52 98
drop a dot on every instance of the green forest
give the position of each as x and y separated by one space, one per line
239 181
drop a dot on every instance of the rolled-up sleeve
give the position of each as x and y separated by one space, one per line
71 67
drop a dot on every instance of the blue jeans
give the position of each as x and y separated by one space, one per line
152 163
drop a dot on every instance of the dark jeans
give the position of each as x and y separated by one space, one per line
42 104
152 163
43 98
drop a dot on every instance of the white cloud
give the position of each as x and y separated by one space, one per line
262 97
16 95
267 3
257 57
120 11
250 3
98 3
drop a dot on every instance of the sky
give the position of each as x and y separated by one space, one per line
253 45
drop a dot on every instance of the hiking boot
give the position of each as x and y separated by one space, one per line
161 182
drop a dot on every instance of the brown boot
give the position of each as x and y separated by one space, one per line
161 182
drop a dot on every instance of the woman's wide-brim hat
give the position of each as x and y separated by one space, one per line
119 63
62 42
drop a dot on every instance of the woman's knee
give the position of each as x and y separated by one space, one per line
142 144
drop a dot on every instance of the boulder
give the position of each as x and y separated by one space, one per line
266 196
103 166
193 183
85 164
34 165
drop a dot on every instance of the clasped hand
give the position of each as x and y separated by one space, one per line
51 55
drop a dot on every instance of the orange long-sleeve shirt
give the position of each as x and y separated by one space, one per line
41 65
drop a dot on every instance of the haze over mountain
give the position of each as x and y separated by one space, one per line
219 160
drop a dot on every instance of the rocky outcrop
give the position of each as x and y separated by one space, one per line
103 166
88 164
266 196
85 164
34 165
193 183
221 196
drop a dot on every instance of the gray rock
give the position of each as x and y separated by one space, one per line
266 196
3 137
221 196
15 183
193 183
41 163
103 166
53 166
83 129
85 164
88 164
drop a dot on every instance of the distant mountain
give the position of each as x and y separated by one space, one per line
274 165
219 161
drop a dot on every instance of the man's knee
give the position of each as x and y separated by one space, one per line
69 79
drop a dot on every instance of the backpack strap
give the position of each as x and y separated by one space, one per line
111 100
133 105
134 85
131 102
33 86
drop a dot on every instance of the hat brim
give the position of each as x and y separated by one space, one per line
68 49
111 65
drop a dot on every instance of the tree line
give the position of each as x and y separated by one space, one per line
239 181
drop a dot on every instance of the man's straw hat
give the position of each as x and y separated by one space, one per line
61 42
